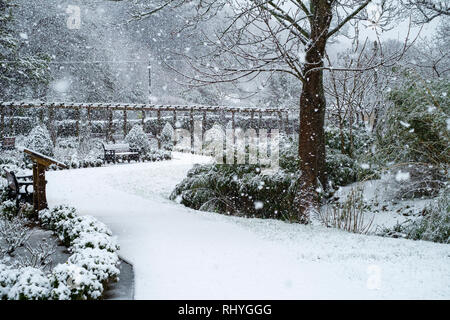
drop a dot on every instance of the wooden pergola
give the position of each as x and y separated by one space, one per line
109 108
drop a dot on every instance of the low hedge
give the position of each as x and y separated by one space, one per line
91 266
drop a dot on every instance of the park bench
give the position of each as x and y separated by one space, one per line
122 151
8 143
18 187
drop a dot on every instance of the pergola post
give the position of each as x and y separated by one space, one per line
77 122
286 125
191 120
41 115
51 126
158 115
204 123
125 122
39 193
89 118
2 122
260 120
233 126
11 120
110 125
280 121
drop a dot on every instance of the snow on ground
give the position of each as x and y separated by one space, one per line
180 253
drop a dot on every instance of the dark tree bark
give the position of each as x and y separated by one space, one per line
312 113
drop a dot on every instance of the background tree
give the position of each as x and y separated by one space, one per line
427 10
19 71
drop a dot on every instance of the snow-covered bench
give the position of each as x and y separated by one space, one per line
18 187
122 151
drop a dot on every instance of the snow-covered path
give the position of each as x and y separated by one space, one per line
179 253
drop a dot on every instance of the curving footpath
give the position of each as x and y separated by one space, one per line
179 253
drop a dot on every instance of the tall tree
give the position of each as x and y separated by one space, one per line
17 69
259 36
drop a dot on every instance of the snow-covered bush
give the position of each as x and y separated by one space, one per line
30 284
8 277
166 137
137 139
101 263
95 241
50 218
26 210
348 155
415 127
14 234
416 180
157 155
39 140
71 229
8 209
348 215
238 190
73 282
415 132
91 266
434 225
356 141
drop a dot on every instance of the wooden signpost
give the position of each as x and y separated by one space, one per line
40 164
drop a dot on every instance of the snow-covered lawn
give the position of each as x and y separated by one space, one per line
179 253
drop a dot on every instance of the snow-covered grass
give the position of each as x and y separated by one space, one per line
180 253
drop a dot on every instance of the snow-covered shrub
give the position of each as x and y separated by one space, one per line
434 225
8 209
348 155
14 234
289 159
238 190
341 169
95 241
348 215
39 256
71 229
8 277
415 131
73 282
167 137
157 155
50 218
26 210
30 284
354 142
100 262
11 158
91 266
137 139
416 180
39 140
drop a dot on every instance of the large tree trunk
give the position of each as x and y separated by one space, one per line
312 116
